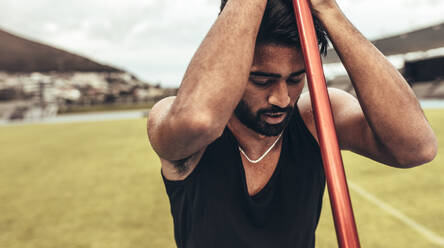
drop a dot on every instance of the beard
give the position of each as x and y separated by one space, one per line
256 122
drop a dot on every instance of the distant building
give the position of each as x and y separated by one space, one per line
419 55
36 80
426 69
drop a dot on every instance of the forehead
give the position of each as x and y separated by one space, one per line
278 59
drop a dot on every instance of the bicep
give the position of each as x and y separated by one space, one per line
353 130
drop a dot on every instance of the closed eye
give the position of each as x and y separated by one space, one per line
294 80
261 81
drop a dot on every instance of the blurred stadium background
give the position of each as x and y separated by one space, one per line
74 179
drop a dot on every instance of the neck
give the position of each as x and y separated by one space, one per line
254 144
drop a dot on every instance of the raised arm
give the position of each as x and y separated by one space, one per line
213 84
387 124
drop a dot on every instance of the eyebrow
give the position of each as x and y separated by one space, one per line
294 74
275 75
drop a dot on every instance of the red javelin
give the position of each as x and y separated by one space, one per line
346 231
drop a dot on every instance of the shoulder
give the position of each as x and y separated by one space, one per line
156 117
339 99
174 170
306 112
158 110
343 106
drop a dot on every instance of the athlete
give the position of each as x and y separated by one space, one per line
238 145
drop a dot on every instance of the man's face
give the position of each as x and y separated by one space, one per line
276 80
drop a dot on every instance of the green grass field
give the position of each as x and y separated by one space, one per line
98 185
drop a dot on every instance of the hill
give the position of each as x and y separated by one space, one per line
22 55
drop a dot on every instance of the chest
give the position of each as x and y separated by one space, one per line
257 175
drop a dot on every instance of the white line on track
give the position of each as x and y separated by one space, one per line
428 234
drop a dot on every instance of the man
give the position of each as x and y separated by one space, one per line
238 144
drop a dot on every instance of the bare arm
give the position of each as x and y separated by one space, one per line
212 86
389 125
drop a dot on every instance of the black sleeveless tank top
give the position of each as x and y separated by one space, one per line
211 208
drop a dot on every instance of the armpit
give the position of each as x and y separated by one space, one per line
180 169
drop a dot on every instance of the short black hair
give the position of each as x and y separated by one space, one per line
279 26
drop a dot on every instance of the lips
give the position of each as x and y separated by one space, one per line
275 114
275 118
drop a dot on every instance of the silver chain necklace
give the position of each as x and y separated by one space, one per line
263 155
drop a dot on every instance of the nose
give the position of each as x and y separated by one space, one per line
279 94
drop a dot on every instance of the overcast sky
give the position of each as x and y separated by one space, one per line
155 39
